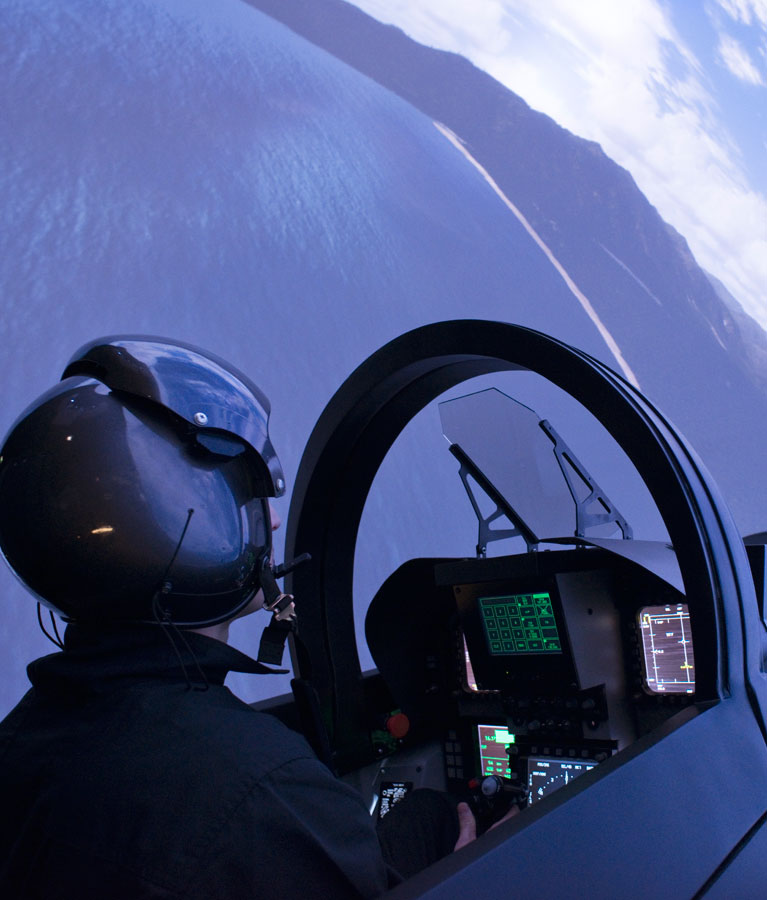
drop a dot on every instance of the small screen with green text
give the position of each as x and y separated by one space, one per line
493 757
520 623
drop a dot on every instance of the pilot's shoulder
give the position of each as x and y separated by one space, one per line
244 737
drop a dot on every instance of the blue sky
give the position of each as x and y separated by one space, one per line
674 90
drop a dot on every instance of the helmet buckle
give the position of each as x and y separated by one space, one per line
283 607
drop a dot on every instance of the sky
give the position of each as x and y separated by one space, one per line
675 91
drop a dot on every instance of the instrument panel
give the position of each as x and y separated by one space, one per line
526 671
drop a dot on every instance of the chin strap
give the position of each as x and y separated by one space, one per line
283 610
283 623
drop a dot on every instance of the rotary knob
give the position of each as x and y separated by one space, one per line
490 786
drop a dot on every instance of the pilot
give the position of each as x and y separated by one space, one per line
134 502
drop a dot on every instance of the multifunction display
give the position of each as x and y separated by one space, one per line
669 662
493 756
391 794
547 775
520 624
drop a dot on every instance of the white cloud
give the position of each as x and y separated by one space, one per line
736 59
749 12
619 74
449 24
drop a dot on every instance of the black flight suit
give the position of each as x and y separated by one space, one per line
119 781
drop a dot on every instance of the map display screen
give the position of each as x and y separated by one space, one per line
669 661
520 624
547 775
493 758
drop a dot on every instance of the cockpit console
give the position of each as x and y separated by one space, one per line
532 669
577 674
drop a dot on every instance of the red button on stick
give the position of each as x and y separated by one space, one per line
398 725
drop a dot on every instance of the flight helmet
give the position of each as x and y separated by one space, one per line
136 489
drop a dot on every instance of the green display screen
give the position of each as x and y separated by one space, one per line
520 623
493 756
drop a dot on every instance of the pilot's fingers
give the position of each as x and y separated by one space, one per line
509 815
467 826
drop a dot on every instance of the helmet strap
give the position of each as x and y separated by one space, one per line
283 610
283 621
272 647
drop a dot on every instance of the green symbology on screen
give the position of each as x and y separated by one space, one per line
493 754
520 623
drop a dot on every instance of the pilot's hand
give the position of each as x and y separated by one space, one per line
467 826
509 815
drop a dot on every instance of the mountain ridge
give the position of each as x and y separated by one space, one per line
705 367
445 86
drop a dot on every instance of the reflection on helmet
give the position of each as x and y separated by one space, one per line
142 475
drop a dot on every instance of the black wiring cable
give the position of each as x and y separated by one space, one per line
169 628
54 640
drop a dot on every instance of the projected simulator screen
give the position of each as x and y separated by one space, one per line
517 624
669 662
493 758
545 775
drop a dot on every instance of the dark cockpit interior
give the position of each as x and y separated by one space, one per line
611 687
497 663
504 679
